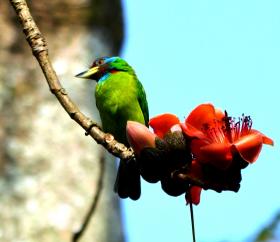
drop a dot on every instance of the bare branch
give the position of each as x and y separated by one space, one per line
40 50
77 235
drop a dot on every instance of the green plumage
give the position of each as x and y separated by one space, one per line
119 97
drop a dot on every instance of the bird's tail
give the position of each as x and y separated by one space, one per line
128 180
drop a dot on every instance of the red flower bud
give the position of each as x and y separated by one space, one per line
139 136
193 195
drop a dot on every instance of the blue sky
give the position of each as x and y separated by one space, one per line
224 52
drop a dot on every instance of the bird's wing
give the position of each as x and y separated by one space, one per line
143 102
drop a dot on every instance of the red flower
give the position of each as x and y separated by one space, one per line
217 140
210 149
139 136
163 123
158 157
193 195
216 137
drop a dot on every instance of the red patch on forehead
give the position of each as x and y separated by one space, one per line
113 71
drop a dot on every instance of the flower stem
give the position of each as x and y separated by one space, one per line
192 221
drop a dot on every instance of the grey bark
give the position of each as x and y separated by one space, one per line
48 167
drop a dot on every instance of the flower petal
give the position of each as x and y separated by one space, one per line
161 124
139 136
196 170
266 139
192 132
216 154
219 114
196 145
193 195
202 115
176 128
249 146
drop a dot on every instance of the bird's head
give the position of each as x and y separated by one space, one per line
105 65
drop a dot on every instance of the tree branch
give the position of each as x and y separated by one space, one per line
77 235
40 50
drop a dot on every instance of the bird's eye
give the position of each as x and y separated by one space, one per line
99 62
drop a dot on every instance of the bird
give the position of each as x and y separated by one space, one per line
120 97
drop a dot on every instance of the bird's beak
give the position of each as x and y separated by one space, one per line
88 74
